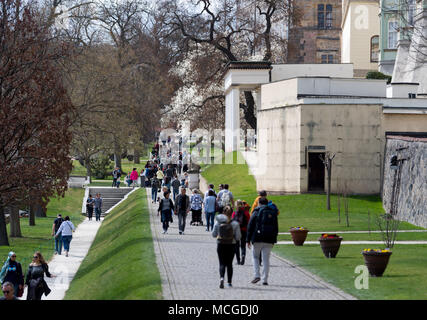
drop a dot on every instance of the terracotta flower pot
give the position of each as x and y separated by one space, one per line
330 246
376 262
298 236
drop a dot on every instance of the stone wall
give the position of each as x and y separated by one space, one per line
412 199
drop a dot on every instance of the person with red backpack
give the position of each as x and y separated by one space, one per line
241 215
262 235
227 232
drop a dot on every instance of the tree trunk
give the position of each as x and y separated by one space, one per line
15 223
4 240
40 211
329 183
250 112
32 215
136 156
88 168
117 156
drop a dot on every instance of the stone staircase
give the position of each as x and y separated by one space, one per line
110 196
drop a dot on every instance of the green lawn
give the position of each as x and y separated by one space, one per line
405 277
121 264
414 236
38 237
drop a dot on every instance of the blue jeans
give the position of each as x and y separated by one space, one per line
67 240
97 214
154 194
210 219
58 244
175 193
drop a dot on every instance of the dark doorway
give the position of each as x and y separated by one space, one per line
316 172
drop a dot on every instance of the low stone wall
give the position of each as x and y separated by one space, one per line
412 199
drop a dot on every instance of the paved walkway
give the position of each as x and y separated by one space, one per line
65 268
188 266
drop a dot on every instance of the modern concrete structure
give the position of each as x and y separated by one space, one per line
360 35
244 76
301 117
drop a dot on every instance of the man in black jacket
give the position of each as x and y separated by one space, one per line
262 235
182 207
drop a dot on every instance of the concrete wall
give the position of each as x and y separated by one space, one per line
279 149
412 199
404 123
352 132
288 71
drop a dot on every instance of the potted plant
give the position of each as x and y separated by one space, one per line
376 260
299 234
330 244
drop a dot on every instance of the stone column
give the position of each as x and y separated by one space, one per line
232 119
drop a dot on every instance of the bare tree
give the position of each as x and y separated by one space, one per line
327 161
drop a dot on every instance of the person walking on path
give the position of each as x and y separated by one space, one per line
165 211
66 230
182 207
134 177
262 235
90 202
155 186
196 202
170 171
210 187
160 175
227 232
225 198
241 215
98 206
142 178
116 175
261 194
8 291
175 187
11 272
35 278
118 183
55 227
210 205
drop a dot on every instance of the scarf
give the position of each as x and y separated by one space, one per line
5 265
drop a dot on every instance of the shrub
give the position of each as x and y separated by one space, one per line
378 75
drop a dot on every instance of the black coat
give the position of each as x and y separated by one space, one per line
36 283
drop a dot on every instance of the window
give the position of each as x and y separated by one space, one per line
328 16
411 11
375 48
324 16
392 34
327 58
321 16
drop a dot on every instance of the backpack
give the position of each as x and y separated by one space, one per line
240 217
267 227
225 234
225 199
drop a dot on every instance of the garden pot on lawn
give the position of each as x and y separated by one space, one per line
330 246
298 236
376 262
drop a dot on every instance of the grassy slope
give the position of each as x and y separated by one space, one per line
39 236
405 275
121 263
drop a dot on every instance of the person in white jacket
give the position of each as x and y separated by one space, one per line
66 230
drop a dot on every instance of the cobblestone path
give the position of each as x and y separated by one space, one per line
189 268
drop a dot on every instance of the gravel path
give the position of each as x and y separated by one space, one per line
188 266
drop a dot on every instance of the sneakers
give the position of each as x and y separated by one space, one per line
221 284
255 280
66 253
242 262
265 283
229 285
180 232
